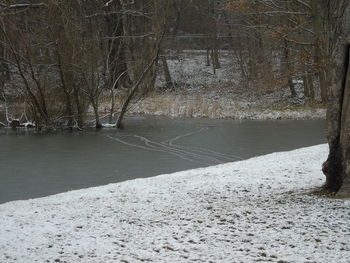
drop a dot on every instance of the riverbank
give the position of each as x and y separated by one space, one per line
198 92
195 106
248 211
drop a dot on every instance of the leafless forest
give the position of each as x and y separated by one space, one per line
61 58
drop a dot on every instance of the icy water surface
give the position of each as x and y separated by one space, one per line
33 165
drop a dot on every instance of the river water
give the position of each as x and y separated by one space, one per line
33 165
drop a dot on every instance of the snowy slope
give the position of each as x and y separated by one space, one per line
250 211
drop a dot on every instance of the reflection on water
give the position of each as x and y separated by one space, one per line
34 165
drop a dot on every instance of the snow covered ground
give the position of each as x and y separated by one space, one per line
257 210
201 93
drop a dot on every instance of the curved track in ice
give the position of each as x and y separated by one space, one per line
192 154
146 147
172 140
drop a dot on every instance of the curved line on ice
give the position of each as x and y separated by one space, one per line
171 148
229 157
154 149
172 140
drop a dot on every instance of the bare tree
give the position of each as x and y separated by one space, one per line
146 49
337 166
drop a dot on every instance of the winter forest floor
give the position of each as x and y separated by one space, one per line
258 210
198 92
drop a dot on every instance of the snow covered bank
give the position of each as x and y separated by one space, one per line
248 211
194 106
201 93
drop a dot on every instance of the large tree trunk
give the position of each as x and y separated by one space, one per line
345 135
337 166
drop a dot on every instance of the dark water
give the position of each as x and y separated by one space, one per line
33 165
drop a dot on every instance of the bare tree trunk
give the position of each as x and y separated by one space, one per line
252 60
112 106
2 74
337 166
216 55
128 43
237 47
154 76
323 85
306 87
208 56
168 80
288 69
4 70
79 106
113 90
213 61
66 81
310 82
240 57
309 91
136 86
345 135
98 124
